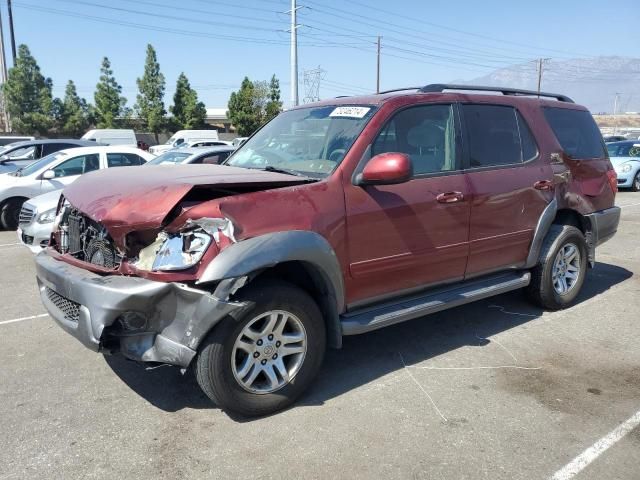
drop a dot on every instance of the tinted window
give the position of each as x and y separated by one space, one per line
123 160
576 132
494 136
24 153
213 159
426 134
48 148
78 165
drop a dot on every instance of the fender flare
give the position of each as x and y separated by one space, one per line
542 228
271 249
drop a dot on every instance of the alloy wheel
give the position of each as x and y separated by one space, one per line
566 269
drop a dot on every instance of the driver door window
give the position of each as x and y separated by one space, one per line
77 165
425 133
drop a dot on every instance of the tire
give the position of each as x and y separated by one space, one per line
635 185
11 213
218 361
543 290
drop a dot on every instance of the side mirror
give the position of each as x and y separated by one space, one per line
386 169
48 175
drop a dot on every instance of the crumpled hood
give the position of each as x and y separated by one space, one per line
143 196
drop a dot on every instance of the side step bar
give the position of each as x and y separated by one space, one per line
408 308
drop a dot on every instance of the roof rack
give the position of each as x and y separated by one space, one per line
399 90
440 87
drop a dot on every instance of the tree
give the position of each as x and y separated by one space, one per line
244 114
28 95
75 114
187 111
109 102
274 105
150 105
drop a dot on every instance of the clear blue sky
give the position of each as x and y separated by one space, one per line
217 43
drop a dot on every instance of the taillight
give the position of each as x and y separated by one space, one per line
613 180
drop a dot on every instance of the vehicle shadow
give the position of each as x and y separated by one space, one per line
368 357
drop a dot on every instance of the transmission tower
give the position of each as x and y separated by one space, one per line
312 79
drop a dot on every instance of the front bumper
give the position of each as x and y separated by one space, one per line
91 307
35 235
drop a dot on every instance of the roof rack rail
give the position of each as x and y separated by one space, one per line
399 90
440 87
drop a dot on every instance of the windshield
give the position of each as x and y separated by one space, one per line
171 140
624 150
310 141
171 157
38 164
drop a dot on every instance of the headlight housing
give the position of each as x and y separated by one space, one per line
626 168
181 251
48 216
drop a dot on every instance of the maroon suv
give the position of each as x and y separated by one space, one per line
336 218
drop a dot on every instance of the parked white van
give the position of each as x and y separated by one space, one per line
112 136
182 136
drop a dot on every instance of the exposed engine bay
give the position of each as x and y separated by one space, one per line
86 240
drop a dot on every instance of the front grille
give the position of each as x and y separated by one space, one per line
69 308
26 214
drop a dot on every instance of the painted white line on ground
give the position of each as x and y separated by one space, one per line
9 244
15 320
590 454
629 205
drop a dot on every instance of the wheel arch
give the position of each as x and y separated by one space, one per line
302 258
552 215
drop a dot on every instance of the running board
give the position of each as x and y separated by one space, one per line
408 308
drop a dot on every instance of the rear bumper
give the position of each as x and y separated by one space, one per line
604 224
92 307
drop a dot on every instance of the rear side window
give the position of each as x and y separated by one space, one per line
497 135
123 160
576 132
48 148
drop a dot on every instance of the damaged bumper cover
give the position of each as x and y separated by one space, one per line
169 319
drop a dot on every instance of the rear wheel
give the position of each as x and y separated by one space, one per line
635 185
558 277
264 361
11 213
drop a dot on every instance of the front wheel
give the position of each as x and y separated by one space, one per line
635 185
558 277
10 214
264 361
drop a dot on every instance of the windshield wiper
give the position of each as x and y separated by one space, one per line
271 168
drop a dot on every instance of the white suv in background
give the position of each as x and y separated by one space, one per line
56 171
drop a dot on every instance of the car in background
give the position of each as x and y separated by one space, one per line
204 143
112 136
614 138
56 171
183 156
36 220
239 141
625 158
7 139
20 154
184 136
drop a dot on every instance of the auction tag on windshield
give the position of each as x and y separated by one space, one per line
350 112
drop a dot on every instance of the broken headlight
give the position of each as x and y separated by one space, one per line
174 252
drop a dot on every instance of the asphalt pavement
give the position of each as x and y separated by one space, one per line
498 389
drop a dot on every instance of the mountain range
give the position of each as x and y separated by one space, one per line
592 82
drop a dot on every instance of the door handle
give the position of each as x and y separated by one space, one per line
543 185
450 197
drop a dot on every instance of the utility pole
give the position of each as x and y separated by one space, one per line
294 53
378 67
3 78
540 66
615 113
11 32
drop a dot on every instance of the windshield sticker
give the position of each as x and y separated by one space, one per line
350 112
